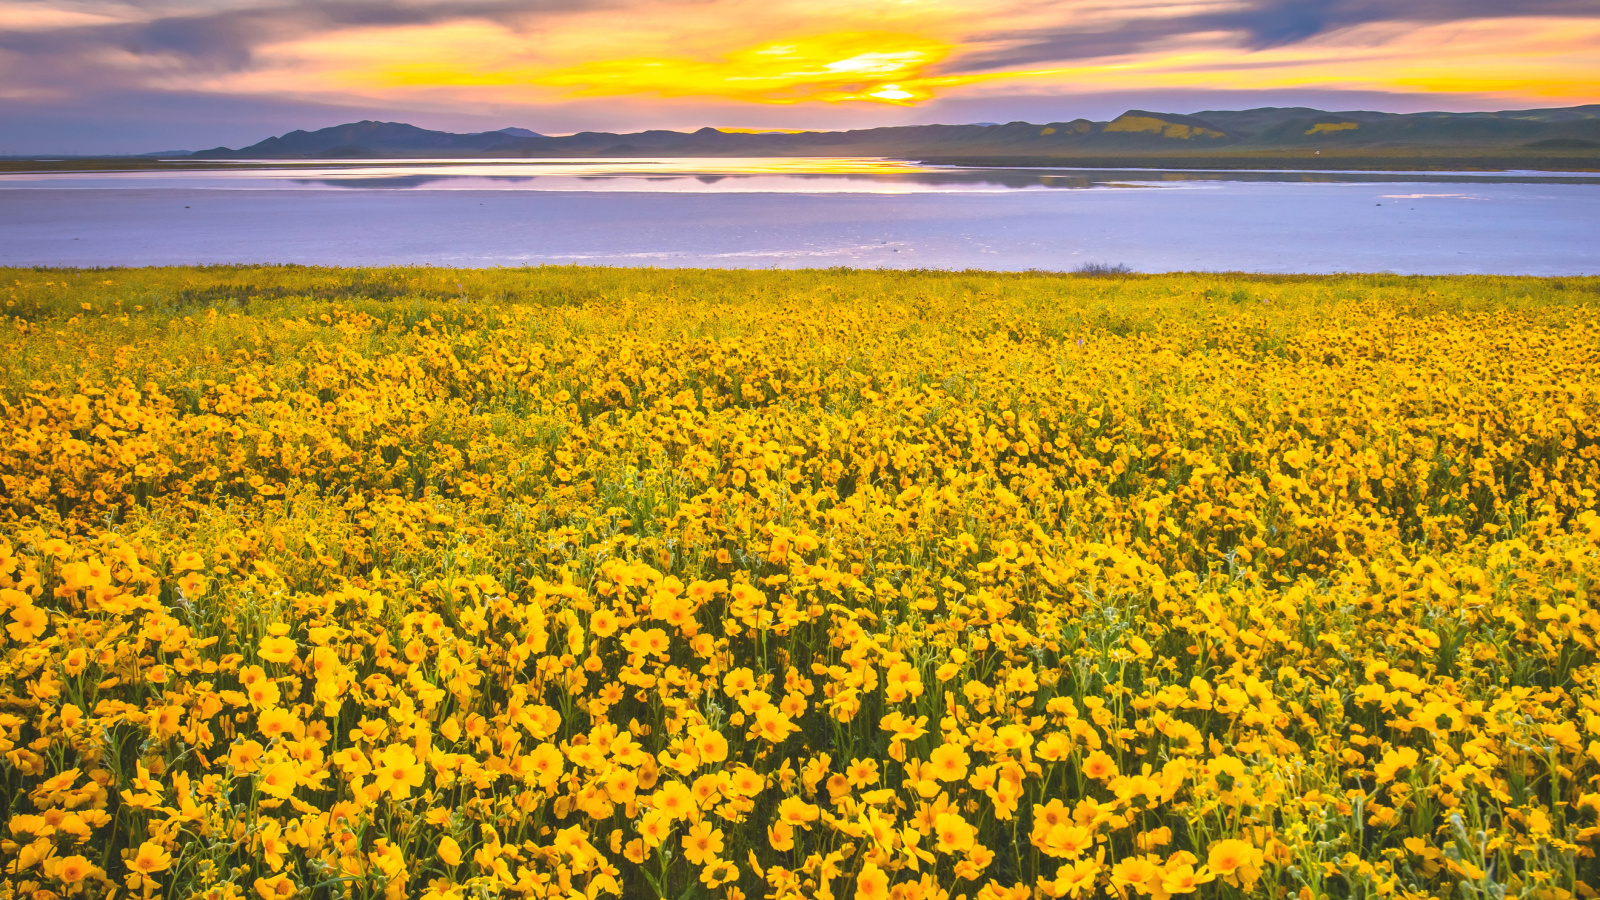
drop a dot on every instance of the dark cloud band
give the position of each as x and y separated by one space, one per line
1261 25
225 40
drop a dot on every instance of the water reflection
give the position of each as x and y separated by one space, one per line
780 175
952 180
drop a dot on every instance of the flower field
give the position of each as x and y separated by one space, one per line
606 583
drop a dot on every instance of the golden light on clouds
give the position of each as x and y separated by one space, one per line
875 67
1531 58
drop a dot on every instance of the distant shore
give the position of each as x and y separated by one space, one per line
1286 162
1291 162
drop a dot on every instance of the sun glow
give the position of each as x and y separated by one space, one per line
876 67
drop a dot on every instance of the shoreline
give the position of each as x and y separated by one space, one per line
1299 162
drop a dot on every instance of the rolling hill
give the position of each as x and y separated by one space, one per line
1569 137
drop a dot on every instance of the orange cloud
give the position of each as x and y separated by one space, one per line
1530 58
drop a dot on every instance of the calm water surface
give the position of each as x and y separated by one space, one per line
801 212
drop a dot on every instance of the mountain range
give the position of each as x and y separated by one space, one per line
1568 133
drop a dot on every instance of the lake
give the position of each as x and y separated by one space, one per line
861 213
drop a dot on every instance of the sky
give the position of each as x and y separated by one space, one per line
130 76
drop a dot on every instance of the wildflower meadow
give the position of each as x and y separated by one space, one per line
699 585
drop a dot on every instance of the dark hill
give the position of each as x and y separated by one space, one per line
384 138
1568 137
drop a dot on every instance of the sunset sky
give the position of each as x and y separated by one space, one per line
79 76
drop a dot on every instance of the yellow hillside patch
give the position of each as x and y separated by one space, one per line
1136 124
1148 125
